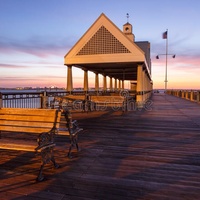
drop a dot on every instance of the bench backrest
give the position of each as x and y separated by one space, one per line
28 120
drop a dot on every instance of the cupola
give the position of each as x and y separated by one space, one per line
127 29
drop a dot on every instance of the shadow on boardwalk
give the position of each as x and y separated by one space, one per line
125 155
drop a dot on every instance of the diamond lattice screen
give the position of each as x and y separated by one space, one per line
103 42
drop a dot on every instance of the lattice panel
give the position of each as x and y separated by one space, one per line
103 42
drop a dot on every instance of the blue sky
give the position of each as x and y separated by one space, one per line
35 36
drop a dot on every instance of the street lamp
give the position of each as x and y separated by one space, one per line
173 56
157 57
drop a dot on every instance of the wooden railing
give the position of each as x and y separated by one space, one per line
192 95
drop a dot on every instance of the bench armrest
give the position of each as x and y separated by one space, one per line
46 139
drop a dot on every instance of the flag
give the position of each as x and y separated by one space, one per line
164 36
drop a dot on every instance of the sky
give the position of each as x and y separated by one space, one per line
36 35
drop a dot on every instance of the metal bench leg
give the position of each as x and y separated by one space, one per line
40 176
70 147
46 157
73 141
69 152
56 165
77 147
76 142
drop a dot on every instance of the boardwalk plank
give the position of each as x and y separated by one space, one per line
141 154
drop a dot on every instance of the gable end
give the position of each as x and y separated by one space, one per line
103 42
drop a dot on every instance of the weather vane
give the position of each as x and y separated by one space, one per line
127 15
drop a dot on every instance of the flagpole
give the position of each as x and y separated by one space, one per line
166 61
165 36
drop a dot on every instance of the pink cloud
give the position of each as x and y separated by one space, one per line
42 81
11 66
37 46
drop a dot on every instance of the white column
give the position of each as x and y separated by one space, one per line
69 79
145 85
96 82
104 83
119 84
115 84
85 80
111 84
148 86
123 84
139 97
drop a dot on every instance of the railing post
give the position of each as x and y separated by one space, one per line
198 96
44 100
186 94
179 93
183 94
191 95
1 100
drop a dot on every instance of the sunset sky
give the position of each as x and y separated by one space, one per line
35 36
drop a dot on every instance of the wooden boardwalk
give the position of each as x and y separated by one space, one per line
144 154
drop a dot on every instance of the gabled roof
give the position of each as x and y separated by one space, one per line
105 49
104 41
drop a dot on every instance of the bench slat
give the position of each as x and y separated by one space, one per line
28 120
36 130
34 118
28 111
27 124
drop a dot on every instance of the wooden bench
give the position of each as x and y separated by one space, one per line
42 123
115 102
69 128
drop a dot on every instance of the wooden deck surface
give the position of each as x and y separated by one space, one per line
144 154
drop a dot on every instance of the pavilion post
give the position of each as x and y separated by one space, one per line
115 84
96 82
86 80
104 83
69 79
119 84
140 89
111 84
122 84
